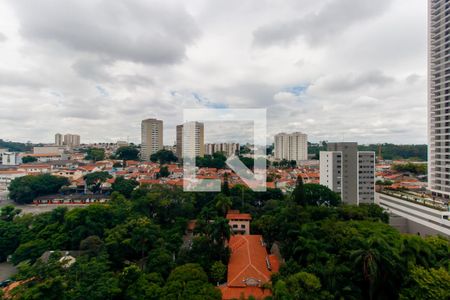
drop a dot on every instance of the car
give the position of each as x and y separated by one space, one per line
5 283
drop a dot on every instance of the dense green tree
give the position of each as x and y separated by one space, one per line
95 154
218 271
28 159
299 192
223 203
127 153
95 179
217 160
418 169
124 186
10 234
24 189
316 194
189 282
163 157
163 172
8 212
427 284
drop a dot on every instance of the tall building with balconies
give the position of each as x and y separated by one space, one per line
151 137
349 172
291 146
190 140
439 98
58 139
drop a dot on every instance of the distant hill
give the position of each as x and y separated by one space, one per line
15 146
388 151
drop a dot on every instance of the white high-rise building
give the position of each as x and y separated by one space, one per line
350 172
439 98
190 140
291 146
58 139
151 137
71 140
228 149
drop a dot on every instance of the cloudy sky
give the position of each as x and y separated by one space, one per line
334 69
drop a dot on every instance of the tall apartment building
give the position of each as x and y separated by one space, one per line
228 149
439 98
71 140
291 146
151 137
58 139
190 139
350 172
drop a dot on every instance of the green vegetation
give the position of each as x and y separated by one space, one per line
95 154
217 160
418 169
124 186
132 247
163 172
163 157
391 151
127 153
94 180
15 146
388 151
24 189
28 159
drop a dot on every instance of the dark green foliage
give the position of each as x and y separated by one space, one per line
133 248
388 151
391 151
25 189
189 282
163 157
418 169
95 179
163 172
9 238
15 146
28 159
314 194
217 160
127 153
95 154
124 186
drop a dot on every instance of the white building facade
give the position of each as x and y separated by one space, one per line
439 98
291 146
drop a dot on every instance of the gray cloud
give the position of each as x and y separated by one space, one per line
349 82
136 30
95 67
332 19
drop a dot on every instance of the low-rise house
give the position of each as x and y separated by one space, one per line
239 223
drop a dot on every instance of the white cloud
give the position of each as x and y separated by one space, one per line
351 68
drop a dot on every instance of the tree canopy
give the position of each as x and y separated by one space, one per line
24 189
163 157
127 153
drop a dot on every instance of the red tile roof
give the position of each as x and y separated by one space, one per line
238 216
248 268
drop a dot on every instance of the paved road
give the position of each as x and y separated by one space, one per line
35 209
6 271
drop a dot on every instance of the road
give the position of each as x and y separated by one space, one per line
34 209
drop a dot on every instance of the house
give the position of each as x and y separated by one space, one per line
239 223
249 269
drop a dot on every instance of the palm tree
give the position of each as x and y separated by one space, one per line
223 203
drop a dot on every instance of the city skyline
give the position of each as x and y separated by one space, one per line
291 61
